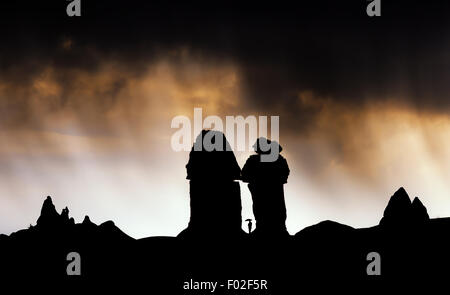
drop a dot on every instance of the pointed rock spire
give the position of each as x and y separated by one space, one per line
65 214
398 208
87 220
401 211
418 211
48 213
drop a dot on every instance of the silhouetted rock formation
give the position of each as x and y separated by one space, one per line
211 158
49 216
408 242
401 212
418 211
215 195
87 221
266 180
63 227
65 214
317 255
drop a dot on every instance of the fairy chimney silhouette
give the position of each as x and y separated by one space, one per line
215 197
265 181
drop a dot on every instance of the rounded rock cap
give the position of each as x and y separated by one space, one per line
262 141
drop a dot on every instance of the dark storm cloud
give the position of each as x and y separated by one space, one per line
331 47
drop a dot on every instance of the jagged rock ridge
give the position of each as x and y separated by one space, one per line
53 225
400 211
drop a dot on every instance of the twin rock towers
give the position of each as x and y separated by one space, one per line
215 196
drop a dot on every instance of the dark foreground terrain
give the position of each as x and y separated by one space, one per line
413 249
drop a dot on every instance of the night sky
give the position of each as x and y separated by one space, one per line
86 104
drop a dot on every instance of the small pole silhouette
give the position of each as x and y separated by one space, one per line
250 225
